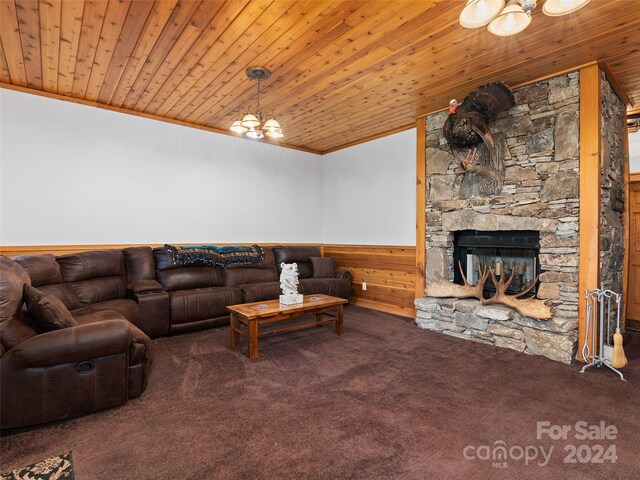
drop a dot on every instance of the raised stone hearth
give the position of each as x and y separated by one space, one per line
499 326
540 193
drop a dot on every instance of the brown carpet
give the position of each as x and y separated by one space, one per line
386 400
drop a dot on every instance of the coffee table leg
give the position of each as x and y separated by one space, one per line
319 319
339 320
252 337
233 333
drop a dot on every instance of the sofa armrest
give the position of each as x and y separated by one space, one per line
143 286
73 344
154 312
344 274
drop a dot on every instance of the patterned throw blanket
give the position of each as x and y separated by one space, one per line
216 256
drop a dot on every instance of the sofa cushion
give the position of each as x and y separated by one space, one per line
297 254
336 287
96 290
124 306
43 269
63 292
93 264
47 312
202 303
97 316
241 276
191 277
323 267
258 292
139 263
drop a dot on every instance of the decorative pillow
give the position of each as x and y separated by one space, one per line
323 267
47 312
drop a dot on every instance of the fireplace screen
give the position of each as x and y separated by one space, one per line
505 252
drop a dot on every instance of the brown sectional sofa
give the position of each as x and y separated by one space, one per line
100 362
119 298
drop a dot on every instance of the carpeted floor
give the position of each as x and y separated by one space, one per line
386 400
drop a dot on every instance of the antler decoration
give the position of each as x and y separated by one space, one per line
529 307
442 288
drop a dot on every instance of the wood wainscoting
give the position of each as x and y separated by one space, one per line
388 271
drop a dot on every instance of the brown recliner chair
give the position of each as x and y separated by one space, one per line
101 362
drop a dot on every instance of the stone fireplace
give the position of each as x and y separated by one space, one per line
537 212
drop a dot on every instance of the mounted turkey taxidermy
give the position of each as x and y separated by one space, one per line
479 151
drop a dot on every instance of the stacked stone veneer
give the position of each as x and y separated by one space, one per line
540 192
613 129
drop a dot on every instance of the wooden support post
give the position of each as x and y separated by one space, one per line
590 198
421 219
627 224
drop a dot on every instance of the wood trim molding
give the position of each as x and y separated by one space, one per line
615 84
369 139
529 82
421 218
633 177
590 153
88 103
19 250
626 219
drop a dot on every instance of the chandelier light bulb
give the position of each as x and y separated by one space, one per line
272 124
237 127
512 20
255 134
250 121
275 133
555 8
478 13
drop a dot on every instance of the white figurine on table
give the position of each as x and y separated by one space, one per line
289 284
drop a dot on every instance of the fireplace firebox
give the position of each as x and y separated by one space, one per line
505 252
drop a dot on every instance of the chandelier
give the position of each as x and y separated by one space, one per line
513 18
251 124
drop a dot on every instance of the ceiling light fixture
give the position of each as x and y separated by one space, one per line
515 17
250 124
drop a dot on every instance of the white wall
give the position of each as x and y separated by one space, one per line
72 174
634 152
369 194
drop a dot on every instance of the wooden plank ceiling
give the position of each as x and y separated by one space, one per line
343 71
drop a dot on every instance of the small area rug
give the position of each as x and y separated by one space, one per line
54 468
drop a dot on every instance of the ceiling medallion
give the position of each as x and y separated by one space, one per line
251 124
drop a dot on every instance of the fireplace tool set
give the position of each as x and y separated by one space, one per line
601 351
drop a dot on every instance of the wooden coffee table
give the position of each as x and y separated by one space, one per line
246 318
